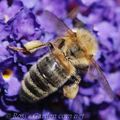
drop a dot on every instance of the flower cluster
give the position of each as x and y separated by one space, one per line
20 22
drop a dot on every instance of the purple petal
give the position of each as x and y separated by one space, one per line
4 30
114 80
3 7
75 105
14 9
2 113
104 29
13 90
7 12
89 2
25 25
108 114
29 4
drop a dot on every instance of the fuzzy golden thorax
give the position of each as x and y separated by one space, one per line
84 44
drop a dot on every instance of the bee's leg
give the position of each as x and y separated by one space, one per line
30 47
18 49
70 91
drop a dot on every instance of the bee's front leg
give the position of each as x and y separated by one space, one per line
70 91
30 47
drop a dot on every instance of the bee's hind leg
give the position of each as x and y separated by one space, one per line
30 47
70 91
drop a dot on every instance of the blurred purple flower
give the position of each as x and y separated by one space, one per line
2 113
25 26
5 57
108 114
56 6
20 23
29 4
13 90
4 30
3 7
89 2
6 12
75 105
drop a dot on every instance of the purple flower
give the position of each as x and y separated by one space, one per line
56 6
108 114
88 3
6 12
2 113
25 26
5 57
3 7
13 90
108 28
21 22
75 105
30 4
4 30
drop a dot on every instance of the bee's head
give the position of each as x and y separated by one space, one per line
85 43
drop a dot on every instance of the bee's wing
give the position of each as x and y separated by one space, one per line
97 73
52 24
91 73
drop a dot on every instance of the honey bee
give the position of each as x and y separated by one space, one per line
68 52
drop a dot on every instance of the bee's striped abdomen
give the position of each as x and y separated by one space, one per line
43 78
54 73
